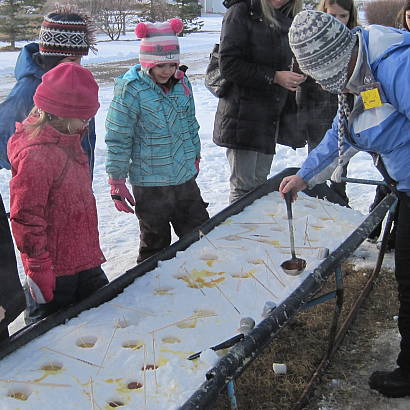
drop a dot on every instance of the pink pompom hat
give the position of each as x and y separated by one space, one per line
159 42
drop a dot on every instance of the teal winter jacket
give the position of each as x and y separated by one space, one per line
152 138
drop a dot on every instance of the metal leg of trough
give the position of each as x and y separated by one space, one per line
231 395
338 294
338 309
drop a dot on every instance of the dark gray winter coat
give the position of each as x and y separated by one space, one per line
250 53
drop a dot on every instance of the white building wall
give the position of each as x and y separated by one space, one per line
212 6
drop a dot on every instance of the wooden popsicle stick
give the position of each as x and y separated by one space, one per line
143 312
280 280
331 217
71 357
226 297
257 280
109 344
202 235
191 277
38 383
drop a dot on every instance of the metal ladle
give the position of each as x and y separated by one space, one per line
294 266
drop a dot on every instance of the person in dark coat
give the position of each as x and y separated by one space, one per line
317 107
12 299
255 57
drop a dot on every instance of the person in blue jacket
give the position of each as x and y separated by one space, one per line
66 35
152 138
374 65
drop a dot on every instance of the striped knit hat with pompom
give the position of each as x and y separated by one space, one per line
159 42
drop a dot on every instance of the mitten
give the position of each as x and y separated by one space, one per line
120 193
41 278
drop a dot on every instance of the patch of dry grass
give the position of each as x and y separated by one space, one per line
304 341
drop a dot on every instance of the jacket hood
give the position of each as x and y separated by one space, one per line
25 66
230 3
132 73
21 140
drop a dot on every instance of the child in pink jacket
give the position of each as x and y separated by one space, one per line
52 207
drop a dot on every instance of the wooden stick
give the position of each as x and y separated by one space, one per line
191 277
92 393
71 357
143 312
145 375
307 233
109 344
257 280
39 383
55 340
298 247
250 239
201 234
277 270
155 367
277 223
226 297
315 200
89 396
274 274
192 317
252 223
331 217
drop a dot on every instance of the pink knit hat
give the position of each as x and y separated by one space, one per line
69 91
159 42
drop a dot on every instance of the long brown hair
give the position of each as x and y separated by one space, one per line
402 15
347 5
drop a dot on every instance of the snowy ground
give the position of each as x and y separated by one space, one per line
118 231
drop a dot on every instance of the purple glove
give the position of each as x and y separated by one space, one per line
120 193
41 278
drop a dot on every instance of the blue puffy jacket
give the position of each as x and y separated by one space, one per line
151 137
19 102
383 130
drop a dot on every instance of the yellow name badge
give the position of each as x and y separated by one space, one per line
371 98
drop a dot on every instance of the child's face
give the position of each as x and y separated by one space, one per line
161 73
76 125
338 13
408 19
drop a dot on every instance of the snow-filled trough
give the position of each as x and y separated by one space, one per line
127 345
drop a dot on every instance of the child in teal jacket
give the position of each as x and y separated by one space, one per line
152 138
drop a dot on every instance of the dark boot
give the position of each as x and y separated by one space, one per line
391 384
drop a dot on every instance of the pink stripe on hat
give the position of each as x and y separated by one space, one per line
159 42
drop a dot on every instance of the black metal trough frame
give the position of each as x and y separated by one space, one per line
234 363
241 355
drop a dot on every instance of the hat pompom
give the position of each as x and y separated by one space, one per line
141 30
177 25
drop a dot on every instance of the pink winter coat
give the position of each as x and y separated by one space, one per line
52 206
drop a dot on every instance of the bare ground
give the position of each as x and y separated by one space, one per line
371 343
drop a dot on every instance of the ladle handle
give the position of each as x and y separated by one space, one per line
288 200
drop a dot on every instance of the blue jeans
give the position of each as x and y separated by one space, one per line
249 169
